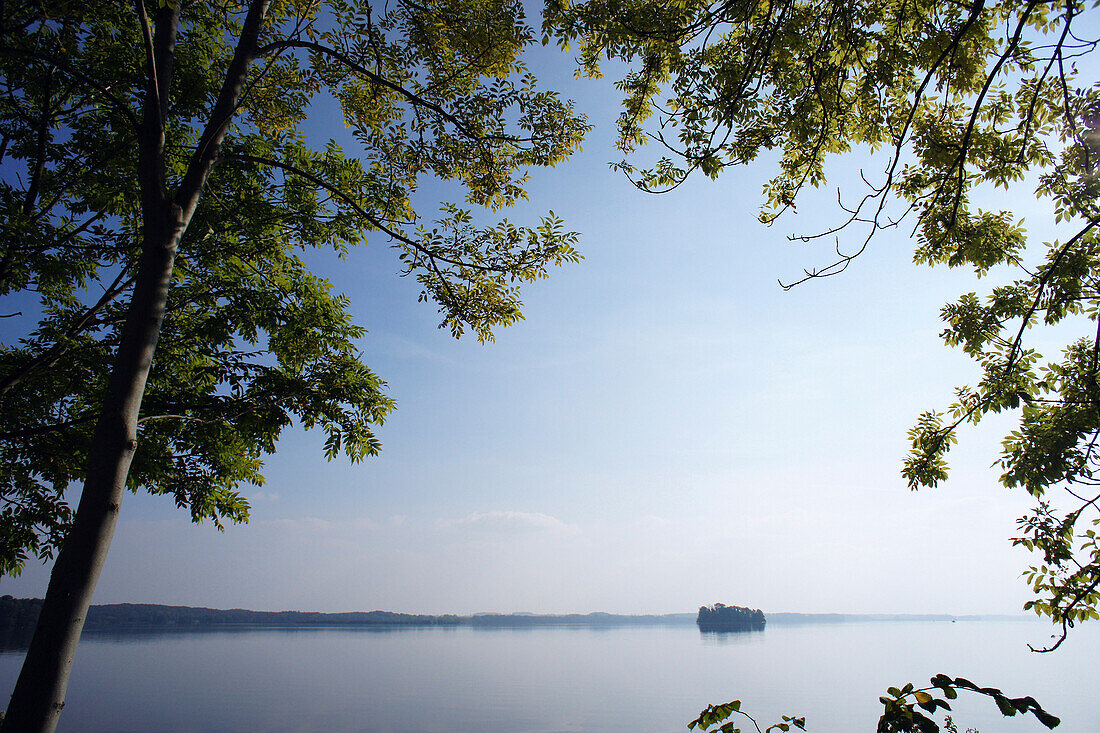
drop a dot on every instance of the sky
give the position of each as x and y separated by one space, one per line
667 428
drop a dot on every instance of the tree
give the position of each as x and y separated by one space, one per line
720 617
957 98
159 191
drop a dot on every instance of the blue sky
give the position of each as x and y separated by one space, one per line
667 428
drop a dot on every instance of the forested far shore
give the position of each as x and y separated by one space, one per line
22 613
844 618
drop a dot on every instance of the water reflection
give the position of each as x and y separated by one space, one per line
18 640
14 641
731 637
538 680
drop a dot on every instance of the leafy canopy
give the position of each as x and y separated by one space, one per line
956 98
252 340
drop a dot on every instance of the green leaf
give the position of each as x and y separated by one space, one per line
1047 719
1005 705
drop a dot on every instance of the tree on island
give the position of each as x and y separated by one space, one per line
721 617
162 192
958 99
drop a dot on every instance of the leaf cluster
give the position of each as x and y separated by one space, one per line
956 100
905 709
719 715
107 109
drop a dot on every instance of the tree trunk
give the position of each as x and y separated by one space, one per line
39 693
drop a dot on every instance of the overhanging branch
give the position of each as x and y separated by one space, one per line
375 221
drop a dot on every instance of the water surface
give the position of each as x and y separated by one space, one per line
554 680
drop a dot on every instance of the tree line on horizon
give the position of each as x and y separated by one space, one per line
21 614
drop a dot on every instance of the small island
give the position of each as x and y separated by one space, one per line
721 617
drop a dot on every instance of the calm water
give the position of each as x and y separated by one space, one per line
552 680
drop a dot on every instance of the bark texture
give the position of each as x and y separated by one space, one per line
39 694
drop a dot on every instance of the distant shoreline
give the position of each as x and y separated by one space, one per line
839 618
22 613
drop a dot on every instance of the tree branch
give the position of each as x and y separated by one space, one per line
52 355
79 76
206 153
373 76
150 56
374 220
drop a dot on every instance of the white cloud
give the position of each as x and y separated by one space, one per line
651 521
314 526
507 521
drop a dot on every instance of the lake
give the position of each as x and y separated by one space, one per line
554 680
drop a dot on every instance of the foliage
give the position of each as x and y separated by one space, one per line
901 714
903 709
18 613
109 110
958 100
722 617
950 727
715 714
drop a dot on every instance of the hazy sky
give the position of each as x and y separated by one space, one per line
667 428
